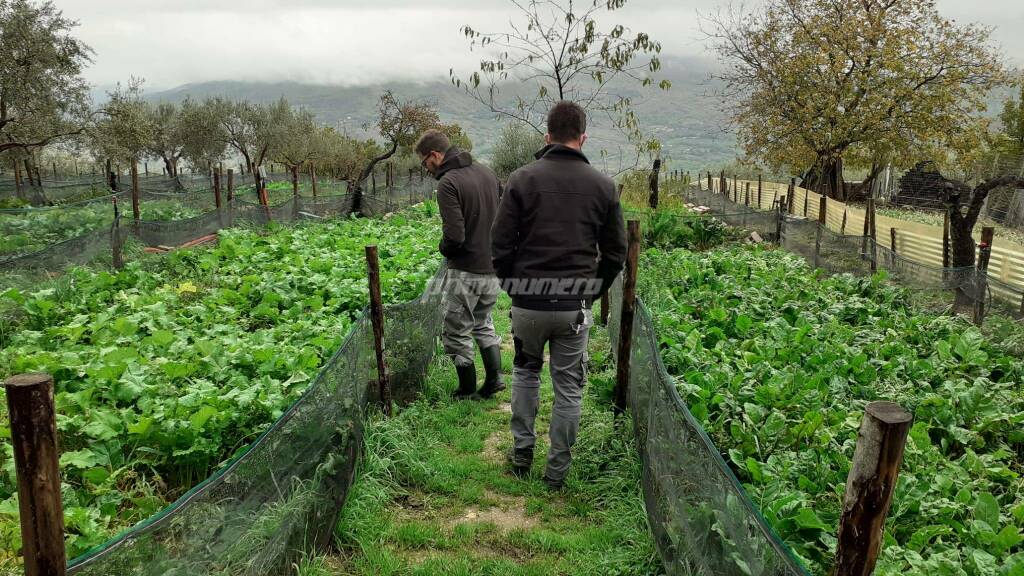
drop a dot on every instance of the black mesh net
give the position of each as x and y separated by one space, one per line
281 498
702 520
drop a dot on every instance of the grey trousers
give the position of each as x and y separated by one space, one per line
567 340
469 299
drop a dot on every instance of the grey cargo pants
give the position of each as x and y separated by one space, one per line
469 299
567 340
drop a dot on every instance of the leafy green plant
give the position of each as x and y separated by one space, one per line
778 363
173 364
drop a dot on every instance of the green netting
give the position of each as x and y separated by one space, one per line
702 520
281 498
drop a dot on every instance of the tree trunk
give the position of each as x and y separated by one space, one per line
652 199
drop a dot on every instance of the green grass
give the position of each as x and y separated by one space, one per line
432 496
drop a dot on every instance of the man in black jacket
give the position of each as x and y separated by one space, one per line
467 196
558 242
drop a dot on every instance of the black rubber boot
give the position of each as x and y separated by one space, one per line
467 382
519 462
492 365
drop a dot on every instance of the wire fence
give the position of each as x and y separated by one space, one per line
51 238
841 244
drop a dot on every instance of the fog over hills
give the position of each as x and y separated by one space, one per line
685 118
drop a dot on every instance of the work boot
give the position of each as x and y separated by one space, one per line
492 366
467 382
519 462
552 484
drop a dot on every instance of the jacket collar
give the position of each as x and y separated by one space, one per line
560 151
453 158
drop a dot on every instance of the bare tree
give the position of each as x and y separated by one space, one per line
555 50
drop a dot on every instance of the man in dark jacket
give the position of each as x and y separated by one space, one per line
467 195
558 242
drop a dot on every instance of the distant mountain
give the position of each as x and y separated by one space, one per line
684 118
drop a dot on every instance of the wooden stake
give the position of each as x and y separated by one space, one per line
216 189
984 255
869 487
377 317
872 234
807 200
945 240
34 436
135 190
18 182
892 239
312 177
792 194
842 228
231 184
295 181
760 189
115 239
626 318
746 195
820 230
605 308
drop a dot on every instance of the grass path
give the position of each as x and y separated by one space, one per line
432 496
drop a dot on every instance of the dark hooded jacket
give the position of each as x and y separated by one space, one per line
559 225
467 196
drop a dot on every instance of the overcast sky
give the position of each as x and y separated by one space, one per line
365 41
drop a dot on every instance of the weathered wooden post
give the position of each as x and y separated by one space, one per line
792 195
626 318
377 318
653 183
760 190
984 255
231 184
146 167
34 436
807 200
295 181
18 182
945 240
746 195
781 212
869 487
723 184
892 239
115 238
54 165
216 189
312 177
711 185
136 215
872 234
819 230
735 188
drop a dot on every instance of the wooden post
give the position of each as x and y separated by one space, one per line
780 220
792 194
295 181
135 190
377 317
626 318
312 177
760 188
115 239
872 234
746 195
820 230
710 182
146 167
869 487
984 255
807 200
54 164
231 184
723 184
892 239
735 188
605 308
216 189
34 436
842 228
945 240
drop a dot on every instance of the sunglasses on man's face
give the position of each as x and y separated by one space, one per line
424 161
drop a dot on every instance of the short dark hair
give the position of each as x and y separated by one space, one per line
567 121
432 141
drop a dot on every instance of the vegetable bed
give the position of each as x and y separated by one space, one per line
173 364
778 363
